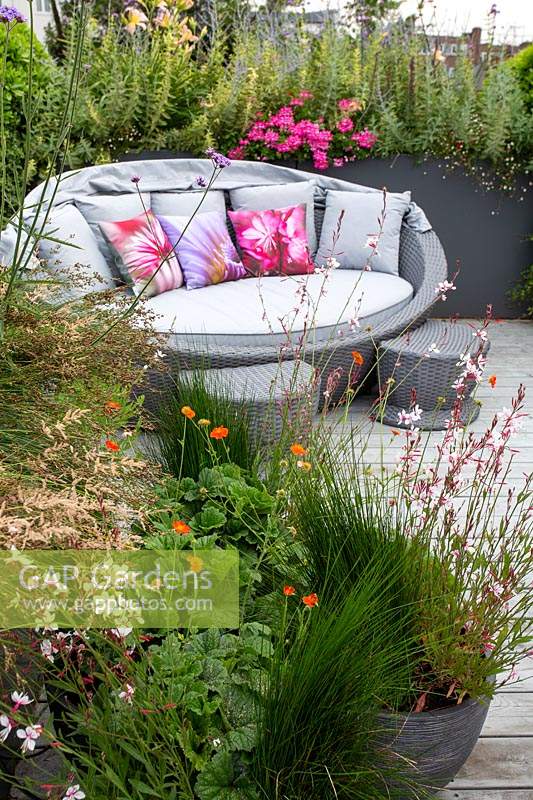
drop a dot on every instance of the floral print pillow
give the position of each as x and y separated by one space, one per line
204 248
144 255
273 242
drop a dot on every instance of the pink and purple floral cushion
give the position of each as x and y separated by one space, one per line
273 242
204 249
144 254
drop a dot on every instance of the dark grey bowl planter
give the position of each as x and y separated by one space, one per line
434 745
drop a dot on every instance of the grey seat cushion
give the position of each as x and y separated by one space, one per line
261 198
258 311
72 248
361 220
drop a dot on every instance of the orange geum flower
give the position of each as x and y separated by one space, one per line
111 406
181 527
288 591
310 600
188 412
358 358
195 563
111 445
220 432
492 381
298 449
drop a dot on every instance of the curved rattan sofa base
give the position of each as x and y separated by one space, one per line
422 263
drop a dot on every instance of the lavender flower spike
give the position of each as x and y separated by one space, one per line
201 181
217 158
9 14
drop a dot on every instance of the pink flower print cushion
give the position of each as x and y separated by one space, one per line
144 254
204 249
273 242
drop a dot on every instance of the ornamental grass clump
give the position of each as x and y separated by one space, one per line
197 424
68 474
318 718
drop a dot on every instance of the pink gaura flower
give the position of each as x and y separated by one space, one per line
73 793
29 736
20 699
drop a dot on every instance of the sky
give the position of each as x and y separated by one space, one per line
514 22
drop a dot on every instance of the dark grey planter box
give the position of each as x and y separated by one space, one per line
486 231
437 743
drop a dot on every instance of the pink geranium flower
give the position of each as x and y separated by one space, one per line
345 125
365 139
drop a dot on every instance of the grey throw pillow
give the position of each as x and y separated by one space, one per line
179 204
280 195
98 208
362 241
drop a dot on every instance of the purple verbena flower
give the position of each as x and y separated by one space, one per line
9 14
201 181
218 159
135 178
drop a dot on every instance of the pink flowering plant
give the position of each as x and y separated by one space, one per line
291 132
476 529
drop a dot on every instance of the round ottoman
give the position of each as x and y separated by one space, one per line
423 365
271 394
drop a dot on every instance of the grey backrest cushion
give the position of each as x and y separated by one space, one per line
111 208
75 248
361 220
179 204
261 198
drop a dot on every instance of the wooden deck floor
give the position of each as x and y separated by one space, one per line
501 766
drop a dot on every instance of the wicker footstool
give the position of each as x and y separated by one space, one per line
271 393
416 367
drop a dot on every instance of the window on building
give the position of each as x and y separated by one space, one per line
43 6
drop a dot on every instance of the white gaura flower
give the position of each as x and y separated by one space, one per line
73 793
29 736
20 699
127 693
121 632
7 727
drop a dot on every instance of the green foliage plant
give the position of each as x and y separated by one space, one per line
318 721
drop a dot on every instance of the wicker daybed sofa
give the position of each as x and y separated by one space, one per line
234 343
